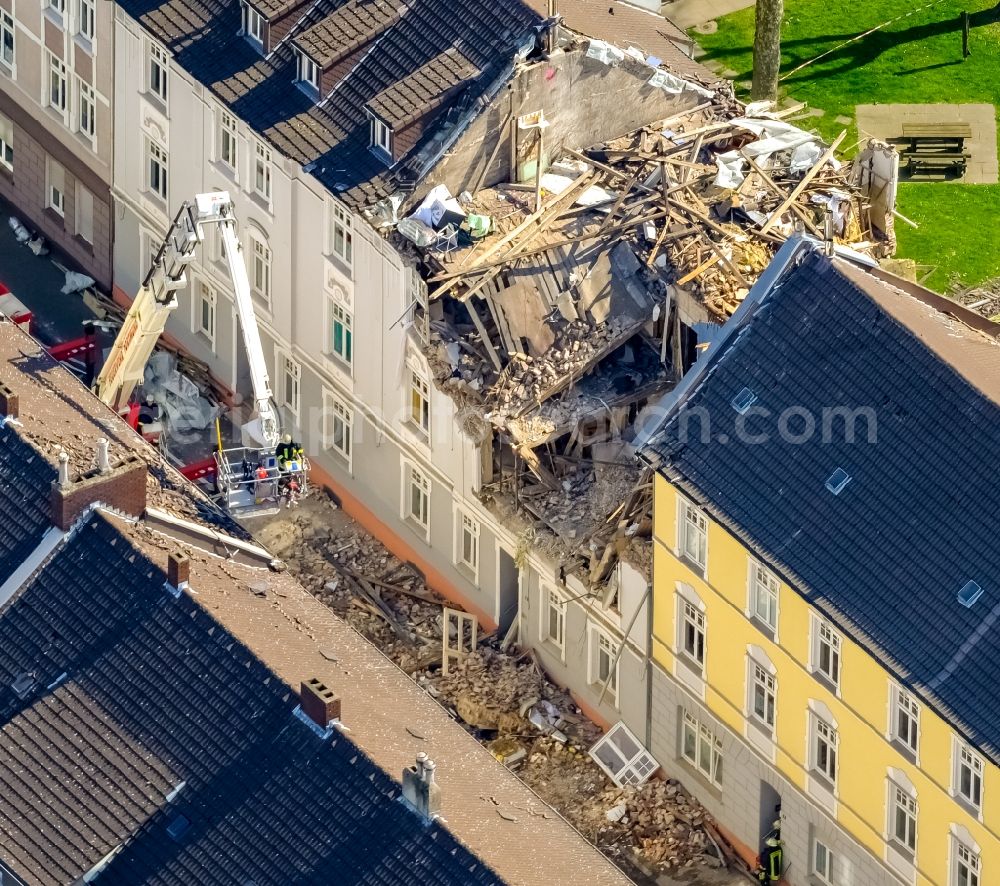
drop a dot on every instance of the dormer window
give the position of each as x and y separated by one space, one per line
381 136
308 72
253 24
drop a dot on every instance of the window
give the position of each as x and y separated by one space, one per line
468 542
7 143
693 535
253 24
85 18
702 748
826 651
343 246
340 332
57 83
55 184
339 420
822 863
290 377
156 169
620 754
6 38
693 632
825 741
762 695
381 135
418 498
967 778
205 304
84 204
967 866
308 71
227 152
763 595
86 109
904 719
420 402
603 661
158 67
262 172
260 269
553 617
903 817
58 7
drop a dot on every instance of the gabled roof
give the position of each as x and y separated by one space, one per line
332 138
24 503
886 557
147 717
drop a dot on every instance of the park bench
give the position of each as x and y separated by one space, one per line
935 150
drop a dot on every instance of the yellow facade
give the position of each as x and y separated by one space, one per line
861 707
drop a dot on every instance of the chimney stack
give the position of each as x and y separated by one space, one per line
178 572
319 703
9 404
420 789
103 465
122 487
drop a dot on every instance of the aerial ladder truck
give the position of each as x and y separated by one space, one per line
251 480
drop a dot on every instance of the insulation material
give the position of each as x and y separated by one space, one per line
676 85
605 53
183 405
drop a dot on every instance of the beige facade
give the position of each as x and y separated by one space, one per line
56 79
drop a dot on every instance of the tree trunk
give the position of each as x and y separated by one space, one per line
767 48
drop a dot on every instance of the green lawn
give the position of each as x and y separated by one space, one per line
916 59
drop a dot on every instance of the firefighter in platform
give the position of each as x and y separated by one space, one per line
289 455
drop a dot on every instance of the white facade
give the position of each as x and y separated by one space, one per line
334 280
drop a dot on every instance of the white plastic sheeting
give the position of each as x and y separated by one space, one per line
436 203
774 136
676 85
182 404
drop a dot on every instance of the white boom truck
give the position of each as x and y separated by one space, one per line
252 480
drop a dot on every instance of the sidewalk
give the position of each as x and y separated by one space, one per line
688 13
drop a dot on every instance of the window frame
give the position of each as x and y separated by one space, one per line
973 856
82 17
691 620
57 9
308 72
977 769
823 875
262 256
341 234
337 409
227 129
419 402
382 136
159 61
253 25
910 811
902 702
8 37
339 314
57 205
622 757
416 478
823 734
261 170
699 524
57 69
757 588
467 526
769 692
153 148
289 375
78 204
596 637
199 302
553 602
703 736
6 147
86 98
835 641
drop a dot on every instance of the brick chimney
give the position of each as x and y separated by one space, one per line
420 789
9 404
178 572
319 704
121 486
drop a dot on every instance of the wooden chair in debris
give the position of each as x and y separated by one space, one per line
935 150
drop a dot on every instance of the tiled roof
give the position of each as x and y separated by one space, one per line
348 28
332 138
24 500
886 557
137 695
424 90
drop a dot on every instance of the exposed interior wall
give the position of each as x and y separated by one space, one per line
585 102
